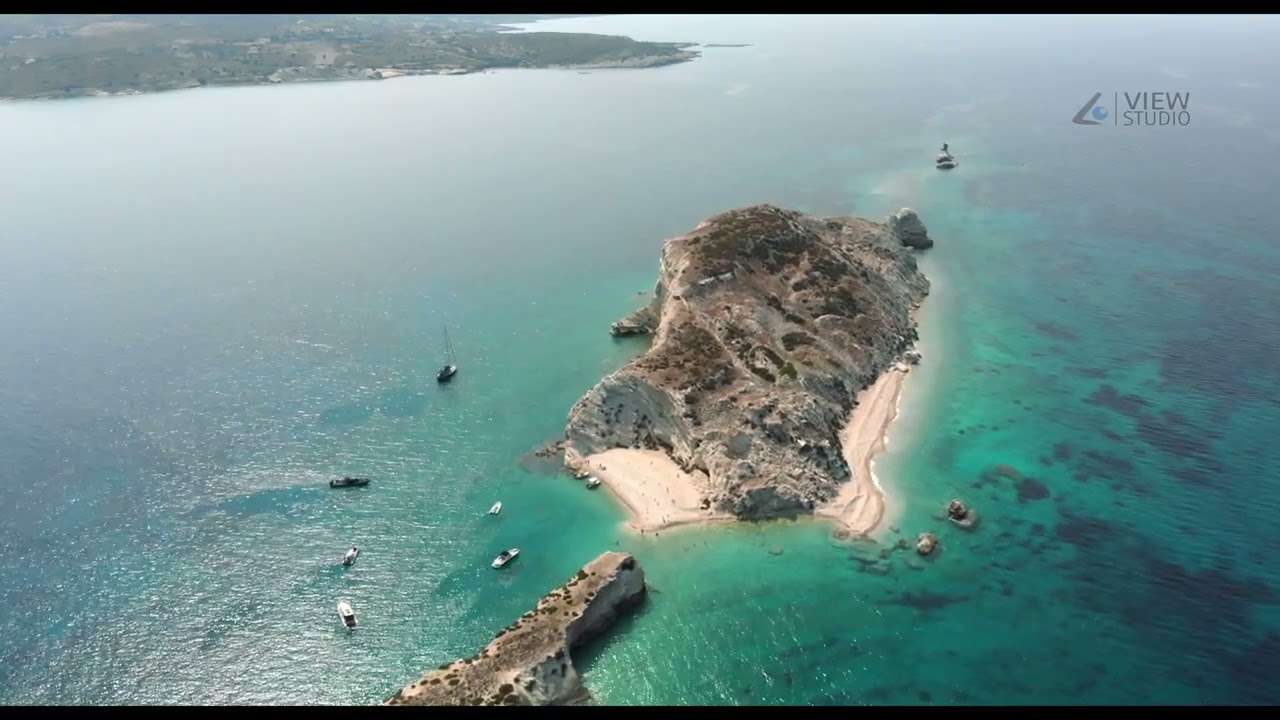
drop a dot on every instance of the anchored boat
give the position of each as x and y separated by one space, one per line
945 160
347 614
505 557
450 368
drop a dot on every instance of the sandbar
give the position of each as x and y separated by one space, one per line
859 506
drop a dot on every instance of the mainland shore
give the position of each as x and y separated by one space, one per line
658 495
66 56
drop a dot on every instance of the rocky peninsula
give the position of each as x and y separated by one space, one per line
530 662
779 344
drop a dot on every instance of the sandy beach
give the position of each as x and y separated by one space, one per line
658 494
859 506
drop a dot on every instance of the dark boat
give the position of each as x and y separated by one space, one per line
347 482
446 373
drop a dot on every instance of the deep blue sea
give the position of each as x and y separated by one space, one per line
213 301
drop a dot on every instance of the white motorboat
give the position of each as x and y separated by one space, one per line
593 483
505 557
497 508
347 614
350 558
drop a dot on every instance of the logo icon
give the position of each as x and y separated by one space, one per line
1091 109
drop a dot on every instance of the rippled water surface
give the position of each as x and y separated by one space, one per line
214 301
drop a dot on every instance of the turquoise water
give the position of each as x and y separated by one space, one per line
215 300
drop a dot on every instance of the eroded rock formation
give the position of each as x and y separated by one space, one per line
909 229
529 662
766 324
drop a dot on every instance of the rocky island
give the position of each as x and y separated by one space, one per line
530 662
779 344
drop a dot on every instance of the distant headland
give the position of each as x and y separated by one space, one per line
780 342
59 56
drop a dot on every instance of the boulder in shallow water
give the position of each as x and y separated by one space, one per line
962 516
926 543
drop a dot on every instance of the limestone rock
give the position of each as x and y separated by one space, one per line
529 662
926 543
909 229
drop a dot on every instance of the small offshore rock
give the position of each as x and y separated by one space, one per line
926 543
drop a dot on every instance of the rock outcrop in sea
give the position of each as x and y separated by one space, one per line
907 226
529 662
766 323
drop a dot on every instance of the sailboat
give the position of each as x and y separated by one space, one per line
446 373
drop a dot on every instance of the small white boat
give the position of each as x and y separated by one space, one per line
350 558
347 614
497 508
505 557
593 483
581 475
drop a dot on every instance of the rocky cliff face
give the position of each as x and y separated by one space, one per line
768 323
529 662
